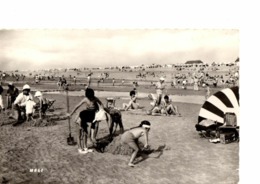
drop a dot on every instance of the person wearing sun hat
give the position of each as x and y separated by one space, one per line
43 105
160 86
19 104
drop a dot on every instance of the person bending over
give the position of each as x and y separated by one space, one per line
86 116
131 137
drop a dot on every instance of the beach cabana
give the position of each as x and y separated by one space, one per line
224 101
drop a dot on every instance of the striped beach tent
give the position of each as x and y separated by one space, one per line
226 100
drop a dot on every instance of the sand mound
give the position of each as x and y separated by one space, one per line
115 147
5 120
44 122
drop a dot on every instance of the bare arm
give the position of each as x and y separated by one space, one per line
100 103
77 106
146 138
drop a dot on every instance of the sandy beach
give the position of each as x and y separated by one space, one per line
185 157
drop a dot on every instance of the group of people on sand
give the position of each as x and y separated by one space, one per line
11 94
22 104
161 105
88 123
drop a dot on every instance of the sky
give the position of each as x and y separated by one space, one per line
24 49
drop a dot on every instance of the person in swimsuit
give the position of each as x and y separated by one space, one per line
168 108
160 87
86 116
131 137
132 103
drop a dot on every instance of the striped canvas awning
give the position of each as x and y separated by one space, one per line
226 100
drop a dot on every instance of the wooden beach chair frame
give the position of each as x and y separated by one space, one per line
229 127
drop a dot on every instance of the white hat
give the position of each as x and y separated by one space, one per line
26 86
10 84
162 78
38 93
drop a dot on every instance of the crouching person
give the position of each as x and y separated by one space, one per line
168 108
86 116
131 137
19 104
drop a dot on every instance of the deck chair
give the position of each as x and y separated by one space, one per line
229 131
50 106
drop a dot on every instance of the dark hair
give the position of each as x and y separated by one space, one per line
132 92
145 122
166 97
89 93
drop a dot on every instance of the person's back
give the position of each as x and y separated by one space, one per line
13 92
131 136
137 132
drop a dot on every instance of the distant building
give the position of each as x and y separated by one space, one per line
194 62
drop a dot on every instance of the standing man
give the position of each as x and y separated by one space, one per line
37 79
63 82
89 80
160 86
12 93
75 80
1 98
19 104
113 81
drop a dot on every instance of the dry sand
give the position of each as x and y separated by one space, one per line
186 158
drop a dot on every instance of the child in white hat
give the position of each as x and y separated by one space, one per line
43 103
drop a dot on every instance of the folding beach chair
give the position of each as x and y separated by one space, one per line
50 106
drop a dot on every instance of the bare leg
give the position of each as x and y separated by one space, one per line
176 110
133 157
80 139
95 131
127 106
111 128
121 126
85 140
124 105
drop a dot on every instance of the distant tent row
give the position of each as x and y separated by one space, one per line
194 62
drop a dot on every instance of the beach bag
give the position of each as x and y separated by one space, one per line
100 114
